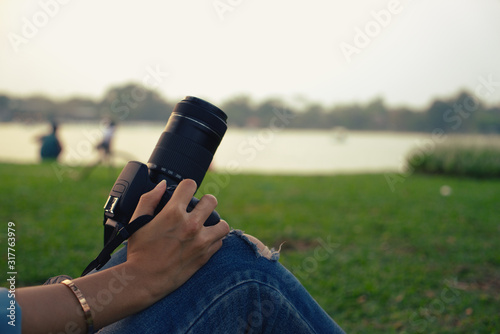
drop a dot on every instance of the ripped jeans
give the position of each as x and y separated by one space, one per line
237 291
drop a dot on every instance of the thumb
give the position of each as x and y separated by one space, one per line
149 201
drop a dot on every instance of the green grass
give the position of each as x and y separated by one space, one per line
377 260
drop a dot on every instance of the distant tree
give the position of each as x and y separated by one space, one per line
376 113
133 102
351 116
5 111
239 110
436 116
36 108
405 119
457 114
466 110
79 108
267 110
463 113
488 121
313 116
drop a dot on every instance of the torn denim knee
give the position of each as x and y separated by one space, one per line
264 251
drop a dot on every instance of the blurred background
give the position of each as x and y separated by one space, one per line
366 131
334 68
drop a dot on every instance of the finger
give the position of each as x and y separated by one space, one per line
149 201
204 208
220 229
184 192
216 233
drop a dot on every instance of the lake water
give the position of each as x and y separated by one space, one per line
242 150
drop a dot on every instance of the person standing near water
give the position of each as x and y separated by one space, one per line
104 146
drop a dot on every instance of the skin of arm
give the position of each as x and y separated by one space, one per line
161 256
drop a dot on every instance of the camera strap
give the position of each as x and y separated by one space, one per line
120 234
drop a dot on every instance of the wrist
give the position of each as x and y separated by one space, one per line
153 283
115 293
131 279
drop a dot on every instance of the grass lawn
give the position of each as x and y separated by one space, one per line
379 259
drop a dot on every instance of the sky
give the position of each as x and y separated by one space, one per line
328 52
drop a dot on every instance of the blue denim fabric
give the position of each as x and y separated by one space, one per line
237 291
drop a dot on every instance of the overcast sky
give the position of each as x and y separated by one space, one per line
407 52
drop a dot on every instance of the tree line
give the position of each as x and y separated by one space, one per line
462 113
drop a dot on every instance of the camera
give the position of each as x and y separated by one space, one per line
184 150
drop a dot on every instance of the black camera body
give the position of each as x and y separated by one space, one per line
184 151
134 180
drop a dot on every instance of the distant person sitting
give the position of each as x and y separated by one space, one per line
51 147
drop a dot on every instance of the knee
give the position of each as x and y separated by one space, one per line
262 249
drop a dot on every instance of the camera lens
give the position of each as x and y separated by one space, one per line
187 145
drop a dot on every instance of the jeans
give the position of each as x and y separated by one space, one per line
237 291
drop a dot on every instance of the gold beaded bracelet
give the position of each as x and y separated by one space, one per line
83 302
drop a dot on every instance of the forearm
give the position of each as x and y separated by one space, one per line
112 295
161 256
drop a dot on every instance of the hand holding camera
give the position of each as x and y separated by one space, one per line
184 151
176 236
